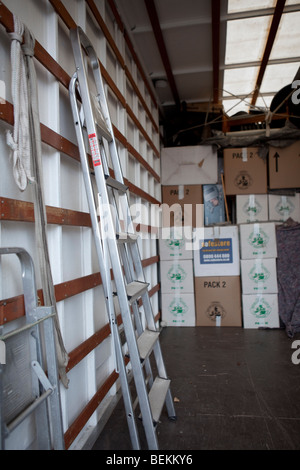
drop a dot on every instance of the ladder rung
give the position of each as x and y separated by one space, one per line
123 237
115 184
146 342
157 397
135 289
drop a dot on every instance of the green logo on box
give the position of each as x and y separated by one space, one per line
260 308
174 243
178 307
176 273
258 239
260 275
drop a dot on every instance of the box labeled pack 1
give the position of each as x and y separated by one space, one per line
217 252
258 240
218 301
178 309
175 243
282 207
245 172
259 276
260 311
251 208
177 276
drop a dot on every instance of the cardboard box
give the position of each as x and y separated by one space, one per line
260 311
214 207
178 310
217 252
189 165
175 243
218 301
258 240
259 276
244 171
251 208
177 276
182 204
282 207
284 166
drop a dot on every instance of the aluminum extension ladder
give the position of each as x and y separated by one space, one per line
29 384
117 247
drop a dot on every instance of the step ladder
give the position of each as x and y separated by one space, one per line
117 247
29 384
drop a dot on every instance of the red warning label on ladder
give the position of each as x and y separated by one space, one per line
95 149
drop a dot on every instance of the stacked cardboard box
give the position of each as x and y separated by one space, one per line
177 277
259 276
217 279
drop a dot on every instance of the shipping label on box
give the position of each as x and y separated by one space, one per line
251 208
178 309
284 166
217 253
259 276
258 240
260 311
218 301
177 276
245 172
282 207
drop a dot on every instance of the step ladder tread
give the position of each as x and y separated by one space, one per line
123 237
157 397
113 183
135 289
146 341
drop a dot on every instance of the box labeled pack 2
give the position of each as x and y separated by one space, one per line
218 301
245 172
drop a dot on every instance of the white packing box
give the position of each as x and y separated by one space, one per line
189 165
259 276
178 309
177 276
282 207
175 243
217 252
260 311
258 240
251 208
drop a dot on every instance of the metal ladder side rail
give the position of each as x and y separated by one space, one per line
79 41
46 404
120 365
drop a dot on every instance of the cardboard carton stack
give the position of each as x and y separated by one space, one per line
217 277
177 277
258 275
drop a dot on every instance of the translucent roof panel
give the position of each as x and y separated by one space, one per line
240 81
235 6
287 40
277 76
246 39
